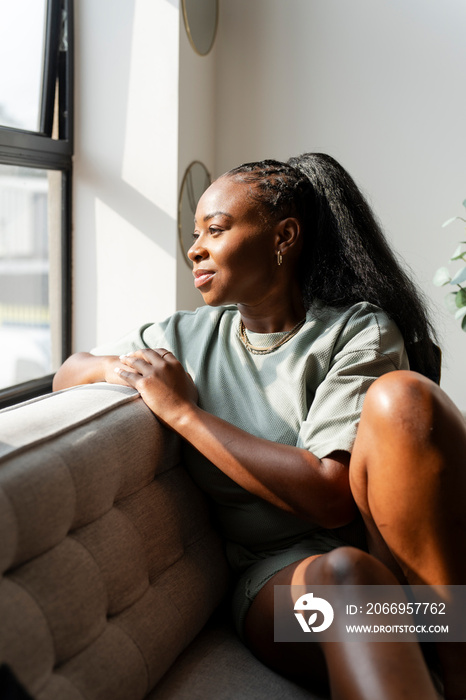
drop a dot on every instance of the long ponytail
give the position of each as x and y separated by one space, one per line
350 259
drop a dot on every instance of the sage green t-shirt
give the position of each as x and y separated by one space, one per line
308 392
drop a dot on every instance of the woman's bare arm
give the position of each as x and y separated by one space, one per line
289 477
84 368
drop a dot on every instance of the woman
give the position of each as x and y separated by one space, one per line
267 384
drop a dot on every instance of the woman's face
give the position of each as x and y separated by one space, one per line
234 251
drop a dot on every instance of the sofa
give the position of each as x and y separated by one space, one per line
113 580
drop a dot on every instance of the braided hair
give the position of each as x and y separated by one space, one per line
345 257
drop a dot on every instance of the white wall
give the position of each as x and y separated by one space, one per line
126 166
197 120
378 84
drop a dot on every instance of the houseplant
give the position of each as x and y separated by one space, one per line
455 301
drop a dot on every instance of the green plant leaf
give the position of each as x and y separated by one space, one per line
460 299
463 323
459 277
450 302
449 221
459 253
464 202
441 277
460 313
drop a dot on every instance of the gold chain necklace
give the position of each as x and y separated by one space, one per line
256 350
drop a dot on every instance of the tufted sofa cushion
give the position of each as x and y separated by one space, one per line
108 563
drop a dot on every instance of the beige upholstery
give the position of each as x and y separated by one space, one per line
109 565
97 592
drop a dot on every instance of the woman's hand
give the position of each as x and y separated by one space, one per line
84 368
111 365
164 385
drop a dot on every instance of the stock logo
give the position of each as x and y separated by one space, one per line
309 603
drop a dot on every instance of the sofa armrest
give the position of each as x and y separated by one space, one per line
109 563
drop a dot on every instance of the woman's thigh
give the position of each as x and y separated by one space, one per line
351 670
292 659
343 565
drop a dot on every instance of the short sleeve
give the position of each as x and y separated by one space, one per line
368 346
181 331
143 337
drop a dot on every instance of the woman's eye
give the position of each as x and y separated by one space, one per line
214 229
195 236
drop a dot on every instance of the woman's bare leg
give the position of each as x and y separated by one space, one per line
408 477
357 670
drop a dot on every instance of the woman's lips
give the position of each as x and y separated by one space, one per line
201 277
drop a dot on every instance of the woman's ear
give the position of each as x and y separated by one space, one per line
288 235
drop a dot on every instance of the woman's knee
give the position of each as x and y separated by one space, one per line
401 397
397 418
408 403
409 446
351 566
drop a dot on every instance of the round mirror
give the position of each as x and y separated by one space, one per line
195 181
200 20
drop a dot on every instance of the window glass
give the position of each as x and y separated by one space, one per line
28 203
21 58
36 149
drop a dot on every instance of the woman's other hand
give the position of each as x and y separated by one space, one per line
111 363
85 368
160 378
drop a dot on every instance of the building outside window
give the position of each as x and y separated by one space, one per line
36 146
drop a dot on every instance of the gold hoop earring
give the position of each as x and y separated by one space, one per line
279 258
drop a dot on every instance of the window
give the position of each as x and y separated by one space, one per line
36 146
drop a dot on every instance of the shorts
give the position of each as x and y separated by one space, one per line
263 565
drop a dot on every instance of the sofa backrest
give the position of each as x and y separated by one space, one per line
108 563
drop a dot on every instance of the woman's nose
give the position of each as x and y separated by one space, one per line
197 252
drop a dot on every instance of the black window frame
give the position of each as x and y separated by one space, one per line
37 149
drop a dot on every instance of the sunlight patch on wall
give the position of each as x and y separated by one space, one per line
136 277
151 140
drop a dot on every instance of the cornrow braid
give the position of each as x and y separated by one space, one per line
279 188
